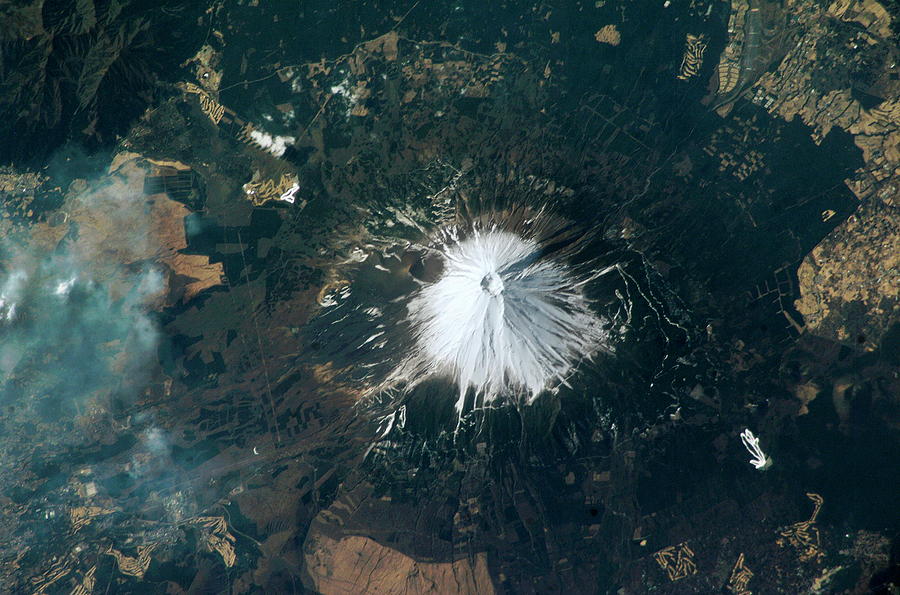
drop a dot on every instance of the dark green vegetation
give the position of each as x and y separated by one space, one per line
84 71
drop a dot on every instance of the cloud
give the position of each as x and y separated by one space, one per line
76 302
276 145
65 333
